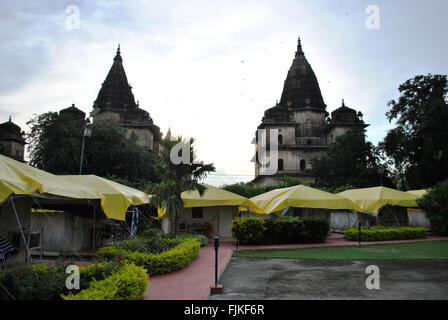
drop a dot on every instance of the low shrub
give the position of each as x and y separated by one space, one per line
316 229
150 233
32 282
153 245
280 230
98 271
203 240
385 233
39 282
127 282
284 230
156 263
249 230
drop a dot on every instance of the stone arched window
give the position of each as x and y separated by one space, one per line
280 165
302 165
280 139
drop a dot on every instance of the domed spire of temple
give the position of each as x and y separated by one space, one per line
304 132
12 140
115 103
73 111
116 93
301 89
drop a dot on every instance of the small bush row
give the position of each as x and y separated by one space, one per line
157 237
40 282
167 261
279 230
128 282
32 282
203 240
153 245
385 233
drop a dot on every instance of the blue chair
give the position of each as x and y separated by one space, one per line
6 249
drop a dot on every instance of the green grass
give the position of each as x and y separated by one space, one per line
404 251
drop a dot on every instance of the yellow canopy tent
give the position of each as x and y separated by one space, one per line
214 197
21 179
372 199
115 198
419 193
301 197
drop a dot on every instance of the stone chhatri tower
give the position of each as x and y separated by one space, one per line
12 141
116 103
304 131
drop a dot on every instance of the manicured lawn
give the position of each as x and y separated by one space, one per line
403 251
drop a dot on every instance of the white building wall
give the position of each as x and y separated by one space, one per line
220 217
418 219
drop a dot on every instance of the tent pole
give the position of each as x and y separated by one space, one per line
395 217
93 241
23 236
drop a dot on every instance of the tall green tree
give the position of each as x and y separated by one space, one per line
435 204
250 189
56 141
351 160
418 144
177 177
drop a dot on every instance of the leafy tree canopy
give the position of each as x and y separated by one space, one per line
56 142
418 144
435 204
250 190
351 161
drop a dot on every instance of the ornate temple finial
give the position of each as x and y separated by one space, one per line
118 56
299 45
343 103
10 119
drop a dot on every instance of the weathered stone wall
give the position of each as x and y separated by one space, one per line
336 132
144 136
13 149
107 116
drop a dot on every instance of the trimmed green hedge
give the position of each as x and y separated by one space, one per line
250 230
126 283
385 233
22 284
160 263
153 245
203 240
280 230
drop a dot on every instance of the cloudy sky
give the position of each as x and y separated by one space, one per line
209 69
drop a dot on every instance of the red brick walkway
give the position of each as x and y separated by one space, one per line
194 281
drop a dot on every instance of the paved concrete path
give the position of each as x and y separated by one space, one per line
194 281
312 279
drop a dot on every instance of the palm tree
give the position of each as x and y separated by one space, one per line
177 177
